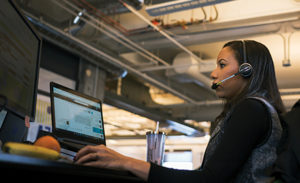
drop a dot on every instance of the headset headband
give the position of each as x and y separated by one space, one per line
244 51
245 69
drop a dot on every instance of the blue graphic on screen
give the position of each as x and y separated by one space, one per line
77 114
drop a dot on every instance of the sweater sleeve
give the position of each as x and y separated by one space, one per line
246 128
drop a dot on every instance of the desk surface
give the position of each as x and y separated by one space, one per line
16 167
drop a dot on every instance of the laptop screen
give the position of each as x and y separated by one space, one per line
76 116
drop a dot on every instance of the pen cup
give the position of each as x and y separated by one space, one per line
155 147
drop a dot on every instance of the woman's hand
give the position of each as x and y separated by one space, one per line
103 157
100 156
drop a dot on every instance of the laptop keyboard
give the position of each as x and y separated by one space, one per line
73 146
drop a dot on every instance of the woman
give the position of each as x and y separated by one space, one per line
243 145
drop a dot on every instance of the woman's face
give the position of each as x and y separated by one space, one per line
227 65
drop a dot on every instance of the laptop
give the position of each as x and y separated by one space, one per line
77 118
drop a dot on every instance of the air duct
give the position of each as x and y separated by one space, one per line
188 69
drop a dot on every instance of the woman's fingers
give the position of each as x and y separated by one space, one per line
87 158
87 150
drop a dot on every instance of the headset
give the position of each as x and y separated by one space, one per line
245 69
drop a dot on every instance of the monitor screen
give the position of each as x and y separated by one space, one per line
19 61
76 115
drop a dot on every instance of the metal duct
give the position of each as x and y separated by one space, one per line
175 6
185 64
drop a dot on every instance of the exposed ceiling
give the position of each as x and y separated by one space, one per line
161 84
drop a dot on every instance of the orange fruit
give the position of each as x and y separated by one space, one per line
48 142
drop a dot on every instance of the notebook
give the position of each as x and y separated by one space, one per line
77 118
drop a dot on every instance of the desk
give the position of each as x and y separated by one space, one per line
21 168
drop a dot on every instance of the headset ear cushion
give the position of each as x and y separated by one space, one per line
245 70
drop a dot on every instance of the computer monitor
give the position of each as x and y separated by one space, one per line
19 61
20 48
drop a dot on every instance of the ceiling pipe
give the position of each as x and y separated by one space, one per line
107 19
289 47
286 62
160 31
213 36
131 45
176 6
157 68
